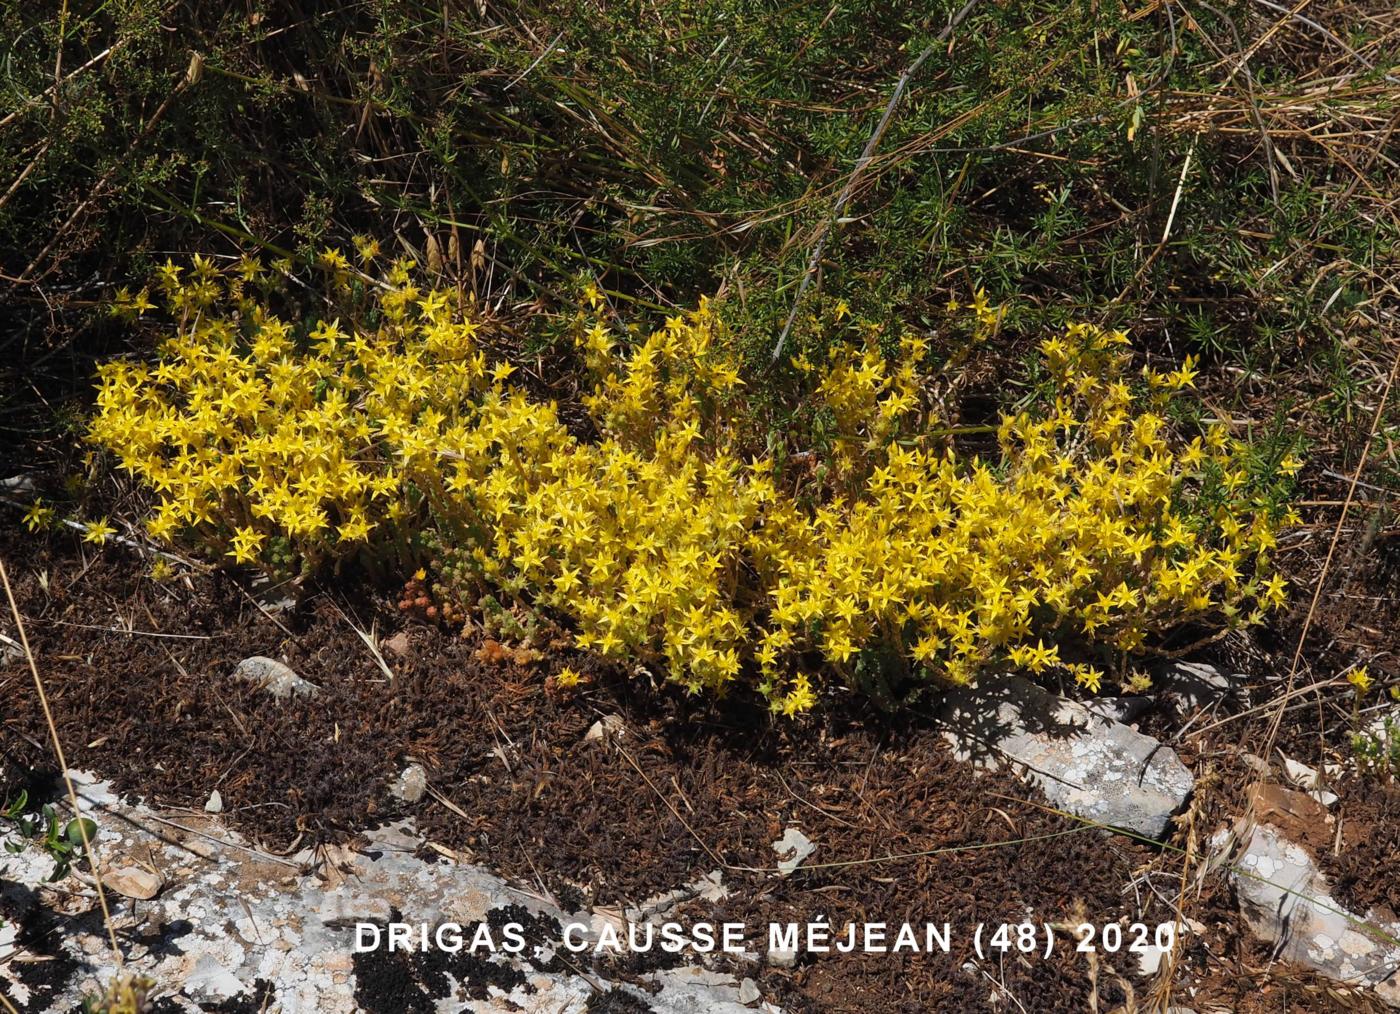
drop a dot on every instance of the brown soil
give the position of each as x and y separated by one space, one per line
687 788
1370 816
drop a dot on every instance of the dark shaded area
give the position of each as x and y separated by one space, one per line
391 981
42 931
261 999
670 149
617 1001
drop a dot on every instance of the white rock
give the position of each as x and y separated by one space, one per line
711 887
210 978
411 785
215 803
224 926
1085 763
1287 901
782 957
1150 958
1306 778
1300 774
275 677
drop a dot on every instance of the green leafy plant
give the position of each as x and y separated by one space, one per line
44 830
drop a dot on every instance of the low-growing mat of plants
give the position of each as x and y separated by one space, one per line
475 362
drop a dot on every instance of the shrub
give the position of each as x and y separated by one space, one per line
677 532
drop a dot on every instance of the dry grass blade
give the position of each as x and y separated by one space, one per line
370 640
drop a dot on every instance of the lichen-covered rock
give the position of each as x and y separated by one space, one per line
411 785
1286 900
229 925
1084 762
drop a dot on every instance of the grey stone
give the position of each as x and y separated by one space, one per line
402 836
275 677
1256 763
710 887
215 803
1187 687
748 992
1090 765
693 990
411 785
1287 901
606 729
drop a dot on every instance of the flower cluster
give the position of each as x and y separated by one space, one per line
670 535
1088 525
275 444
642 535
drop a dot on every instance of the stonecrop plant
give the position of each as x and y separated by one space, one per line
676 534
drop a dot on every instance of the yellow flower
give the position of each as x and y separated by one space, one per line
334 260
1360 678
98 532
1088 677
246 543
38 516
366 248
